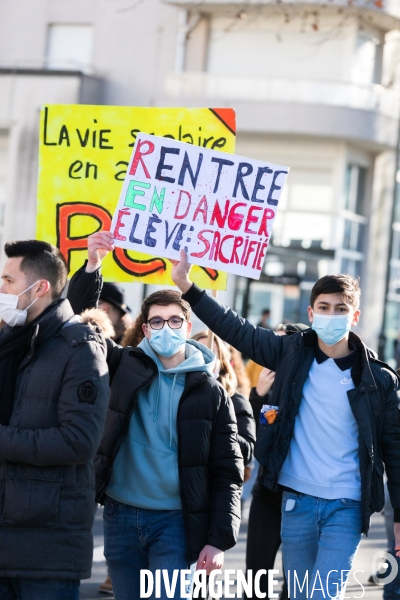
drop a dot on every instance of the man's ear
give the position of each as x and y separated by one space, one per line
43 288
356 317
310 314
145 330
189 329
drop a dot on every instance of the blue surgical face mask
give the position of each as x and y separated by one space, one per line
166 341
331 328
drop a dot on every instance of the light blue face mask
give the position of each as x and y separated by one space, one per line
331 328
166 341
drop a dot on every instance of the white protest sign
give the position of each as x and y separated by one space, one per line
219 207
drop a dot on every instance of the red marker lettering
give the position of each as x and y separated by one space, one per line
121 213
236 244
268 214
215 246
223 258
235 219
139 157
205 242
261 256
217 215
201 210
244 251
251 219
253 266
176 216
250 250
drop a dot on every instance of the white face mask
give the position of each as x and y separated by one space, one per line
9 311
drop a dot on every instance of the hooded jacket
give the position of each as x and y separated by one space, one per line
145 472
373 400
210 464
246 426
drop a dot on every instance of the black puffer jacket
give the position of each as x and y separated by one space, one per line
209 459
246 426
47 495
374 400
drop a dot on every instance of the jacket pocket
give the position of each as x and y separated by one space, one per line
31 495
264 444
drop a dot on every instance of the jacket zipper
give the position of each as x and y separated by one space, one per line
123 433
184 508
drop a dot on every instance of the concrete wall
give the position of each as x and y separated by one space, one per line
134 43
21 97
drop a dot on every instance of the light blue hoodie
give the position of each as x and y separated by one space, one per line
145 471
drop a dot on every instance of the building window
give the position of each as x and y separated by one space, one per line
69 47
353 235
354 221
356 178
351 266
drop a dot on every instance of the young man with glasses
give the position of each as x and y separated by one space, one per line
169 469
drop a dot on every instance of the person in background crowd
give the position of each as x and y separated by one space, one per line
265 319
243 388
54 398
244 384
169 468
134 334
264 526
253 369
335 424
225 375
111 301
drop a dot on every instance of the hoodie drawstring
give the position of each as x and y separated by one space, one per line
170 409
170 405
158 399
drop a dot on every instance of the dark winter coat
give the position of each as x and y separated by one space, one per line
209 458
46 453
373 401
246 426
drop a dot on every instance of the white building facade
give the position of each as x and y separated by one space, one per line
315 86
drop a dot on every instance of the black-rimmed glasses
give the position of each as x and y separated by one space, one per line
173 322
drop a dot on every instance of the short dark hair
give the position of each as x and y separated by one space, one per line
345 285
164 298
40 260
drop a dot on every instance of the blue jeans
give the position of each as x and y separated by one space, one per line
319 541
33 589
135 539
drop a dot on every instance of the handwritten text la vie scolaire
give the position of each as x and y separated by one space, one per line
98 137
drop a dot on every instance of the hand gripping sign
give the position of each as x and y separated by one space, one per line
84 152
220 208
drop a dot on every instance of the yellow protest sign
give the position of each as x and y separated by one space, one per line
83 156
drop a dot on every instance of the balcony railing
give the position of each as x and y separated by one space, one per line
229 88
